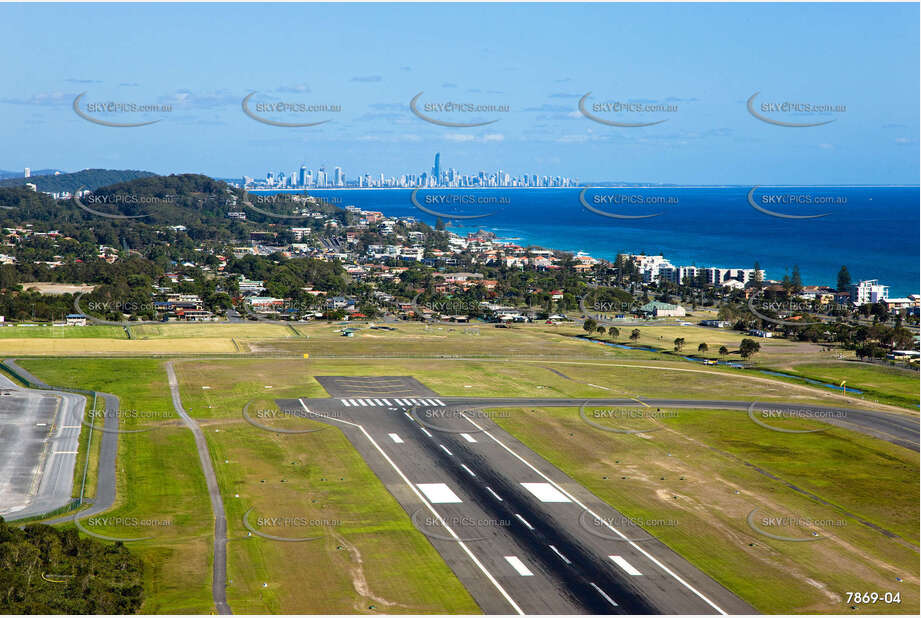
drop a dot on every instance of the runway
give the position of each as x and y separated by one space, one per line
521 536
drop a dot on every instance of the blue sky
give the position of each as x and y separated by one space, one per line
538 60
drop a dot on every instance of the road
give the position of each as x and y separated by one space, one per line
39 438
521 536
219 567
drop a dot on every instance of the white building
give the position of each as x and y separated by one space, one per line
868 291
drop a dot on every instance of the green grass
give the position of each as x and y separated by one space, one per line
886 384
694 471
63 332
159 480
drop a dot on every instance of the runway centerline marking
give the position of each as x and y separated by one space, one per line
469 471
519 566
494 494
431 509
524 521
557 552
602 593
626 566
425 431
445 449
632 544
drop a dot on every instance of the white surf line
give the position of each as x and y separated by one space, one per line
602 593
557 552
395 438
468 437
626 566
425 431
431 509
494 494
445 449
469 471
632 544
345 403
519 566
524 521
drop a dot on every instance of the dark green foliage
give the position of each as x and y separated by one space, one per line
89 576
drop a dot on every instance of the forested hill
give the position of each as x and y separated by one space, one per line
85 179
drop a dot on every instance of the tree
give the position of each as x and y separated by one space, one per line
749 347
797 281
613 331
757 276
589 325
600 330
844 279
635 334
724 350
702 348
679 343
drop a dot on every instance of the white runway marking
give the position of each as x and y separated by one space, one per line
408 415
494 494
411 401
468 437
545 492
385 401
519 566
602 593
64 453
557 552
439 402
425 431
377 403
431 402
395 438
524 521
445 449
438 493
362 402
345 403
469 471
399 402
626 566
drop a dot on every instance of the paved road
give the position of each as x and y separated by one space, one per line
521 536
39 439
219 571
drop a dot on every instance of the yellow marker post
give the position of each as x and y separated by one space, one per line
306 355
843 382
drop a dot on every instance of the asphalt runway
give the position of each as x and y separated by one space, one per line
521 536
39 437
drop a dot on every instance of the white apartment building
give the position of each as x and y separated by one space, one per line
868 291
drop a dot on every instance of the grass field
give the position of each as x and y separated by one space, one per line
889 384
159 481
62 332
694 474
111 347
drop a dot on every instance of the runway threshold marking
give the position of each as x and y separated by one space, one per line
632 544
626 566
431 509
395 438
468 437
545 492
519 566
345 403
439 493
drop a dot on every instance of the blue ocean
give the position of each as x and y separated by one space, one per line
874 231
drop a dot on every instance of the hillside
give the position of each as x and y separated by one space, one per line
87 179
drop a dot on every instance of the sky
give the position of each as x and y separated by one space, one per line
529 64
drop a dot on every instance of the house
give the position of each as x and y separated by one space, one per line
76 319
715 323
661 310
756 332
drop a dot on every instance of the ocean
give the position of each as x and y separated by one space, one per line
874 231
